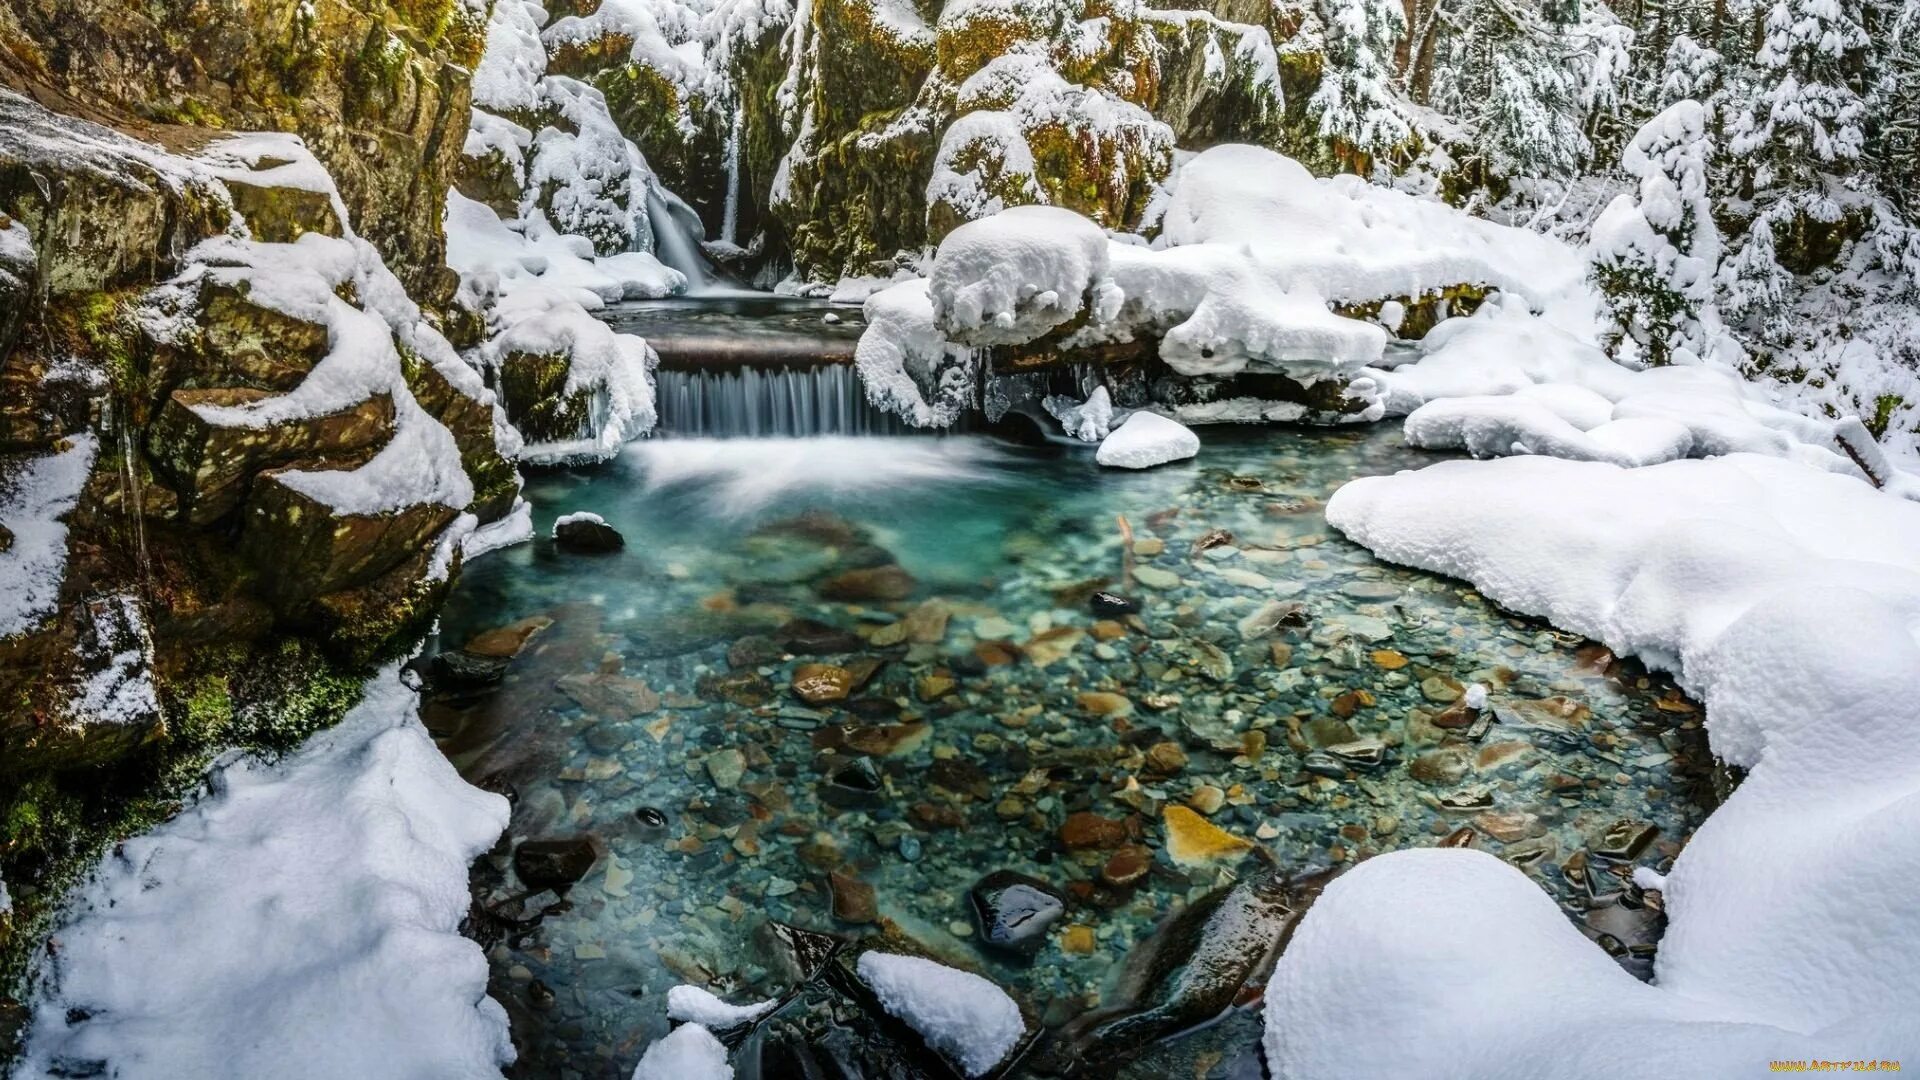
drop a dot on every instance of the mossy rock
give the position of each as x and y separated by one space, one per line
302 549
281 215
210 465
496 483
251 345
533 391
1423 312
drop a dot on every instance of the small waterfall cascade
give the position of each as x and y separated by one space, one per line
750 402
675 247
730 222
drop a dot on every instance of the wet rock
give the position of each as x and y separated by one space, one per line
1441 689
873 740
753 651
726 768
1166 758
1366 753
1103 703
1193 967
1014 912
1155 578
1506 826
1321 763
1107 605
809 637
924 625
586 535
1192 840
1625 840
1388 660
852 899
883 583
961 777
818 684
464 669
1054 645
1271 616
615 697
933 686
1079 940
748 689
651 817
554 864
1126 866
853 785
507 641
1085 829
1444 766
1370 590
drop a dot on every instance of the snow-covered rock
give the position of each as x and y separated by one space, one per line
1787 600
688 1052
905 363
1147 439
1090 420
32 503
1014 277
960 1014
696 1005
300 920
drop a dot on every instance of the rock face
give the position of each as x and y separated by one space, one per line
377 90
243 538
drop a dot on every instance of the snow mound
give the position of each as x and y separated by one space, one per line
688 1052
695 1005
300 920
615 371
959 1013
902 351
1147 439
1801 638
1016 276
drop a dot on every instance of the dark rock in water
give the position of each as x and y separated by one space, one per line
875 583
753 651
866 557
587 536
1193 967
748 689
554 864
873 708
854 785
962 777
1321 763
853 899
809 637
1014 912
803 953
651 816
1108 605
820 526
460 668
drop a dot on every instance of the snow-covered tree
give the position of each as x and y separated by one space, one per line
1894 105
1356 102
1800 138
1655 250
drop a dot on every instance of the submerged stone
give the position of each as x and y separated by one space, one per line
587 535
554 864
1014 912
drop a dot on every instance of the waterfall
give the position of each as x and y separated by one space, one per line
730 222
827 399
673 246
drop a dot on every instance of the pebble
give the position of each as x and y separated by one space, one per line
1155 578
726 767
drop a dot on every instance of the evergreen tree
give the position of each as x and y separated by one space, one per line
1655 250
1894 106
1356 103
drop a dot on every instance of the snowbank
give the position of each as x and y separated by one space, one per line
32 502
959 1013
1506 381
1147 439
902 351
1787 600
300 920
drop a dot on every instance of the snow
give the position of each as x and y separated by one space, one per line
1014 277
1801 636
960 1014
576 516
688 1052
614 369
1506 381
1147 439
904 361
32 502
299 920
693 1004
1090 420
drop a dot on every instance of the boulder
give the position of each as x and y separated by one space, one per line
586 534
1014 912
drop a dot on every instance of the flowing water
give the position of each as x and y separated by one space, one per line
949 578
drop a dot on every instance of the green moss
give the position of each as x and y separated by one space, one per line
1884 407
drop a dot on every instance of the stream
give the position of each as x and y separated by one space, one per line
1299 694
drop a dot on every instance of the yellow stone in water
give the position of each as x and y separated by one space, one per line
1389 659
1078 940
1194 841
1102 703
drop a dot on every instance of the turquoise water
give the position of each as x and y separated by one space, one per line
663 683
